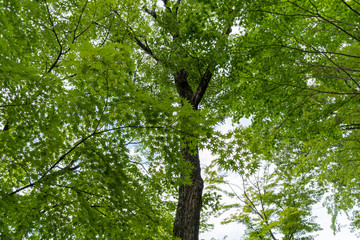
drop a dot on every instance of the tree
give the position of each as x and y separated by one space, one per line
300 86
85 83
274 203
105 105
189 37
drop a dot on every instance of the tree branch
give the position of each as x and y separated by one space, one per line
78 23
345 71
74 147
151 12
352 9
182 85
230 23
200 91
306 51
57 39
331 67
177 8
325 19
143 46
165 3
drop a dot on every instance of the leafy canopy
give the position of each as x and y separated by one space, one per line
93 126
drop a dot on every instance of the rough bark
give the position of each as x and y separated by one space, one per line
187 219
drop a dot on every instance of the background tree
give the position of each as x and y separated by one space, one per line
300 86
273 204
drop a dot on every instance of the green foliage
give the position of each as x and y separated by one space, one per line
76 113
296 75
272 203
92 125
92 128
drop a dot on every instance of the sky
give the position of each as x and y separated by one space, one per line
235 231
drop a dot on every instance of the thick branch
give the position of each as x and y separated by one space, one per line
151 12
182 85
200 91
143 46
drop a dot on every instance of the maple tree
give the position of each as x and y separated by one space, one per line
101 119
105 105
300 87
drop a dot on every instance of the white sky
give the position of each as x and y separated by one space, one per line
235 231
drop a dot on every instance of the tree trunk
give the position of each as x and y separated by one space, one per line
187 219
